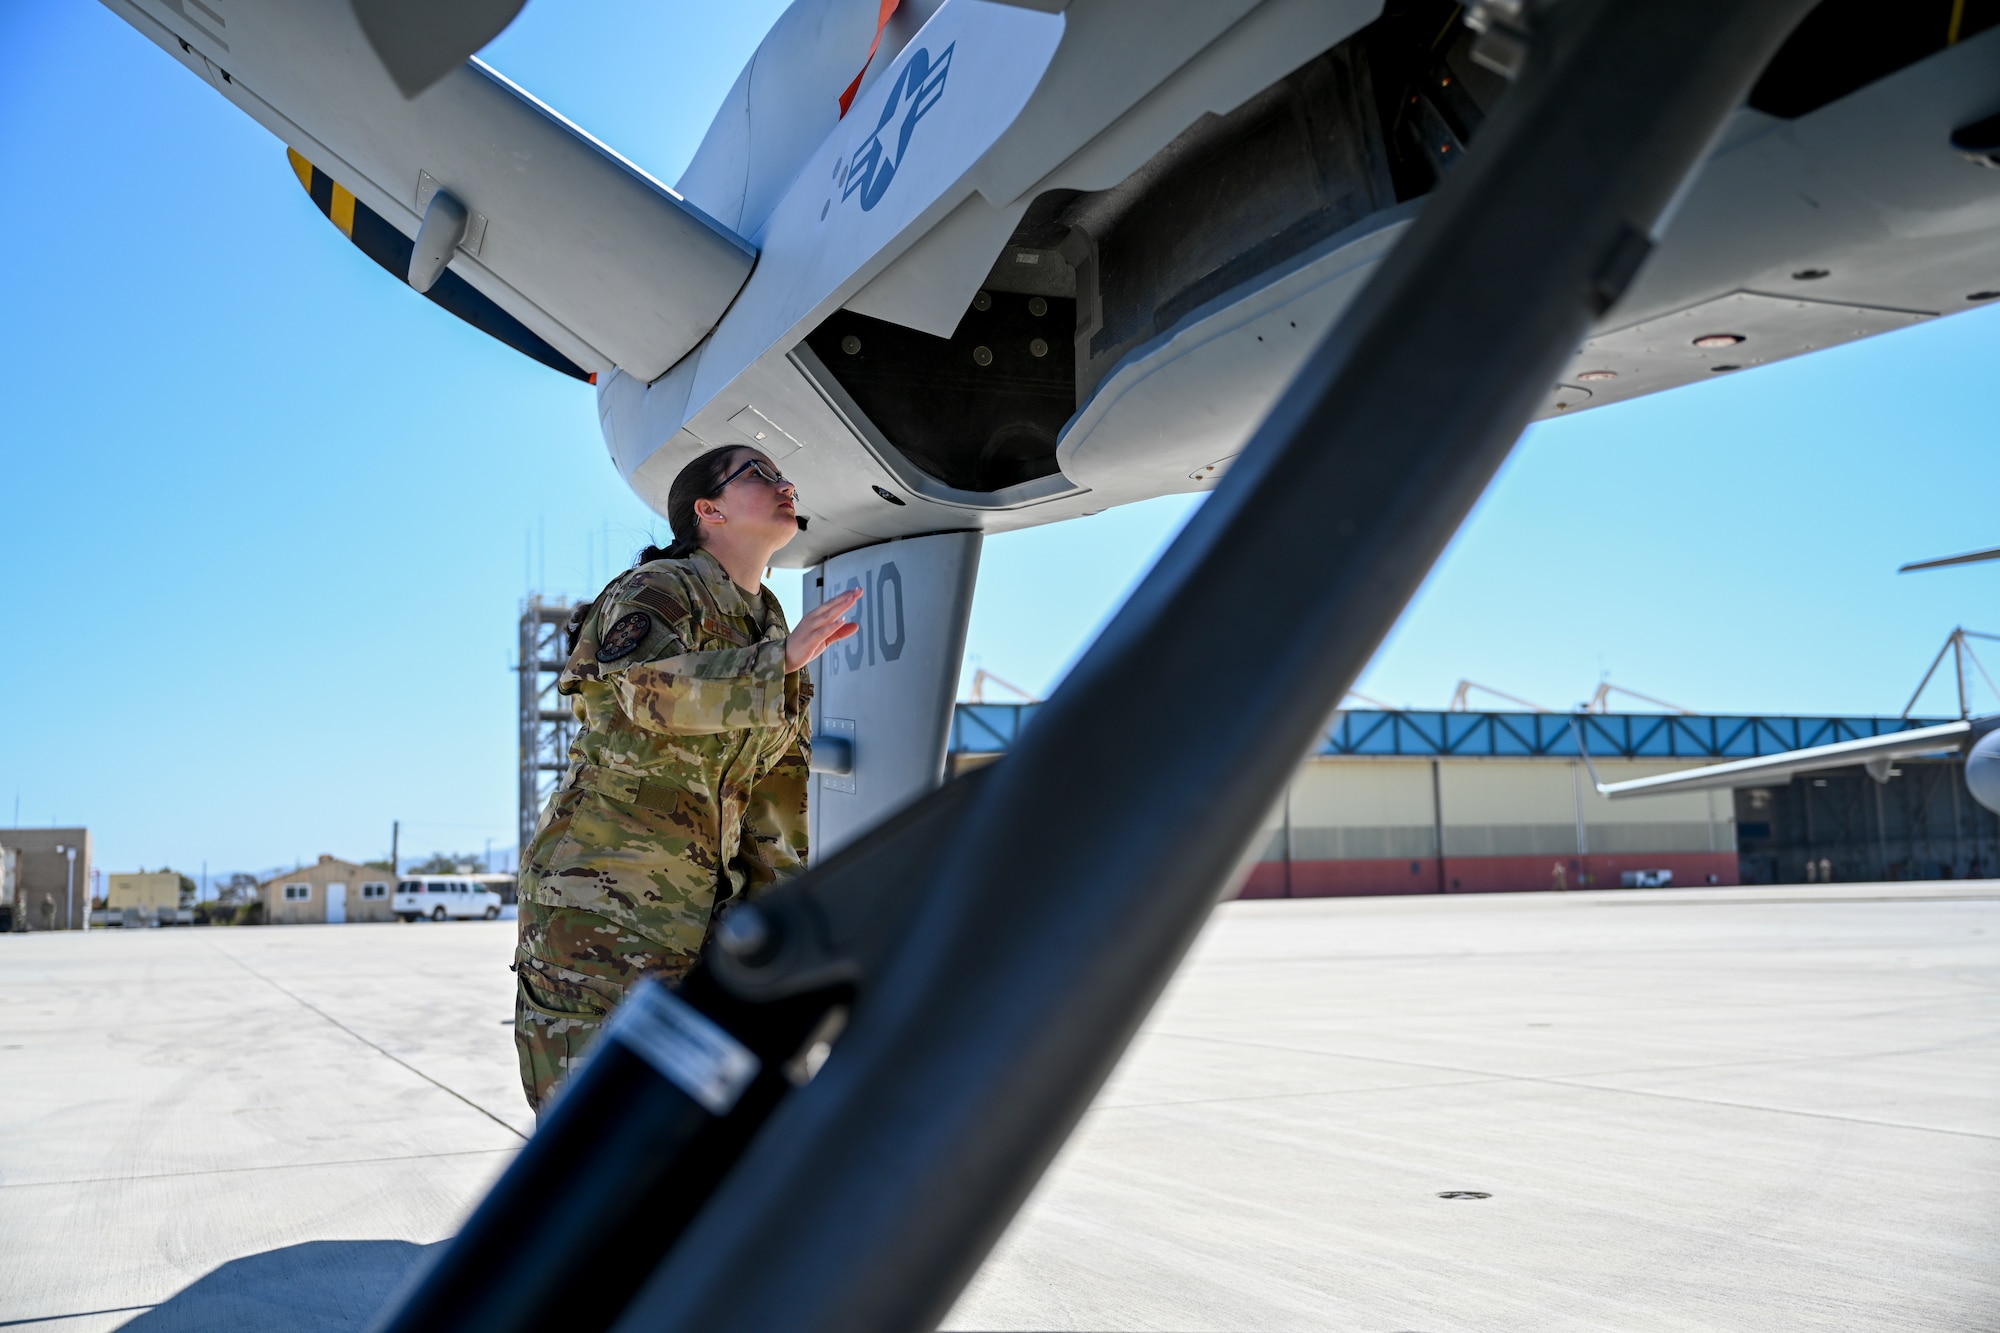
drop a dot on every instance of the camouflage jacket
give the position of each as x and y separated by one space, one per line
687 784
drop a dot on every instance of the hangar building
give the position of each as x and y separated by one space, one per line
1442 802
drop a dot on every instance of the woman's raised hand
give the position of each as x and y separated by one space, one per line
825 624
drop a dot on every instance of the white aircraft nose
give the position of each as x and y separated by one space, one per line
1982 771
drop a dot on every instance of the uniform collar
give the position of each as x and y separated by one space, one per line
730 599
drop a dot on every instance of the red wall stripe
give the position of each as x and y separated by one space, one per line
1478 874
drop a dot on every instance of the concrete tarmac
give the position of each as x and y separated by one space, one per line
1722 1109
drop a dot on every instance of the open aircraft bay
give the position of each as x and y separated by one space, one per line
1699 1110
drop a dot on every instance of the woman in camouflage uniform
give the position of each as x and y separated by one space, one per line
686 787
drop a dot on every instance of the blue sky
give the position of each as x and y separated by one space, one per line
269 516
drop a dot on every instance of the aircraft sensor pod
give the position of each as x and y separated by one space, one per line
443 228
1982 771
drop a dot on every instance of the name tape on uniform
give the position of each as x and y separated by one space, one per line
684 1046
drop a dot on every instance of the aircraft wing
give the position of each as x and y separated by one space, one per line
1969 558
1779 768
606 264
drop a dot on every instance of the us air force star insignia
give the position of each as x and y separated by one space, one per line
623 637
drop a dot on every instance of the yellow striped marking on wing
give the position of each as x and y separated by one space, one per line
300 168
343 210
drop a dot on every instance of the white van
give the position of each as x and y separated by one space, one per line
445 897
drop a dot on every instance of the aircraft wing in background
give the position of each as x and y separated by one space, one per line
605 264
1781 768
1969 558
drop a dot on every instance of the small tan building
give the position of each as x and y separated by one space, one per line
330 891
143 895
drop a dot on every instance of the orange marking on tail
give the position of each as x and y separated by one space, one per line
881 22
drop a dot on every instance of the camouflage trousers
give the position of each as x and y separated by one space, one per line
572 969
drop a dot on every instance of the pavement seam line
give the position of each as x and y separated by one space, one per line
1779 1110
1490 1075
234 1170
364 1041
1762 1062
1286 1096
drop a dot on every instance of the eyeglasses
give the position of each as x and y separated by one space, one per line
768 474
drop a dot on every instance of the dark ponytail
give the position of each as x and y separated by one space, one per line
700 480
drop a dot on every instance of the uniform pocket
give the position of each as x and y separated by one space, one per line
559 999
552 833
555 1020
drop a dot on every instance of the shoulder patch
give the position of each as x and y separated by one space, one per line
623 637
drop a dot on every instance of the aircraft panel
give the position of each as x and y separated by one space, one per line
1165 413
1732 332
1178 408
1860 213
1132 74
1192 79
893 168
784 104
1113 142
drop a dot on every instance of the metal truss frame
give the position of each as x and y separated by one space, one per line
546 725
984 728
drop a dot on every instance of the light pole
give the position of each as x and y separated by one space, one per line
69 892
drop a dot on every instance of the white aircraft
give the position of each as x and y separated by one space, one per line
1975 740
967 266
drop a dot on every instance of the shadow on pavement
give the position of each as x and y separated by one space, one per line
321 1286
317 1287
